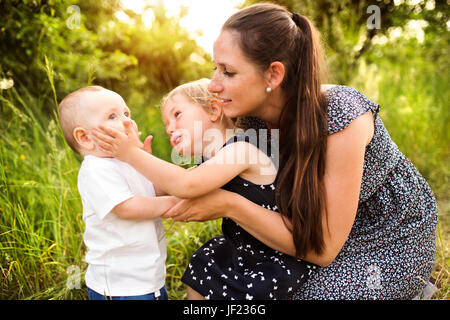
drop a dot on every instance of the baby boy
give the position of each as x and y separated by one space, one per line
124 234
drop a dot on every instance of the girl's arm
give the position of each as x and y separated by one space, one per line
184 183
144 208
228 162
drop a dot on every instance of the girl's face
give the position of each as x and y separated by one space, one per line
185 122
240 86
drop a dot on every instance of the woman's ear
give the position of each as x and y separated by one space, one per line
83 138
215 110
275 74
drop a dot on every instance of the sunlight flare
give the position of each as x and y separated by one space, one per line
203 20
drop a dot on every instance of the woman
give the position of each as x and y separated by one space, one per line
350 201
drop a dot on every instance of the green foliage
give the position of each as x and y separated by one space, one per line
32 30
343 26
40 210
95 47
166 55
410 81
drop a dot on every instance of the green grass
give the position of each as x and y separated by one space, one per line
41 223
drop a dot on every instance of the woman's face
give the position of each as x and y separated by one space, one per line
238 83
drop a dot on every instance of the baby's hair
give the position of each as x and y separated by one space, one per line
68 110
196 90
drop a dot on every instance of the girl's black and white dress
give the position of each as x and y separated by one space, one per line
237 266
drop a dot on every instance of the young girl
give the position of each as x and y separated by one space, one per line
234 265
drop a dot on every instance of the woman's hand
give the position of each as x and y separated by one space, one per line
211 206
265 225
117 144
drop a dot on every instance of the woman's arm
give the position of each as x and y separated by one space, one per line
265 225
343 178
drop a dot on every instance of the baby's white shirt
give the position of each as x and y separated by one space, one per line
125 257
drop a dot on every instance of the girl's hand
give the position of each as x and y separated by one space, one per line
148 144
117 144
211 206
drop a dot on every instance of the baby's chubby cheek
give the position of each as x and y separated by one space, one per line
98 152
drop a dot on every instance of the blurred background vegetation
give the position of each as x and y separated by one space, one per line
45 53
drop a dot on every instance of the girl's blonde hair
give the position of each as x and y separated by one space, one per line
196 90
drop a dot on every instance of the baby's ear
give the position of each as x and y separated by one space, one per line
83 138
215 110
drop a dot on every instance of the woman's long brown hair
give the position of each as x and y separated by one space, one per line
269 33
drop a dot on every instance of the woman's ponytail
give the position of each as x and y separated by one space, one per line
269 33
305 205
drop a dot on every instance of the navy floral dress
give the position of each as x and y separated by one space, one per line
390 251
237 266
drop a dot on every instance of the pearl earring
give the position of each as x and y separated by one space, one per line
268 89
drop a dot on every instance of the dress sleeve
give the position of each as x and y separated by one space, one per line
344 105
